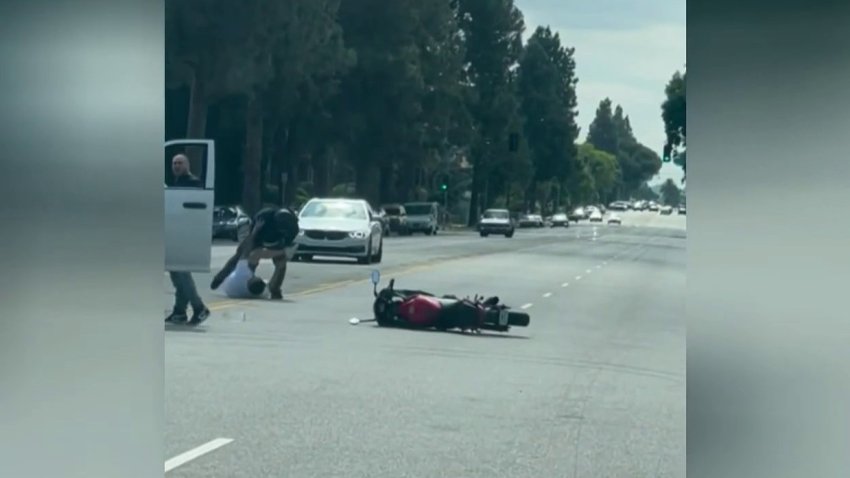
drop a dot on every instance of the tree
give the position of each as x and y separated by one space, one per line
602 167
674 114
214 47
548 101
612 133
644 192
602 133
492 31
309 61
670 193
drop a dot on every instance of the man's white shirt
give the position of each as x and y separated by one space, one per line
236 284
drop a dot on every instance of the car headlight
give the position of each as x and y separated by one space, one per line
358 234
300 232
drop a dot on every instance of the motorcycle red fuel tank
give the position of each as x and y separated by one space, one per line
421 310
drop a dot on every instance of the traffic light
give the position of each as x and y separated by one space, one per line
443 186
665 157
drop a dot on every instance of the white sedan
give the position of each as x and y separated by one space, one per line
596 216
614 219
340 228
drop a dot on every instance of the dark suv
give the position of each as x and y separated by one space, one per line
397 218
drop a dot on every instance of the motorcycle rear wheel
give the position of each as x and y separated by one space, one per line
515 318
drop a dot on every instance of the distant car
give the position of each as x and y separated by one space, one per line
666 210
618 206
397 219
531 220
496 221
596 216
560 220
422 217
231 222
578 214
340 228
538 220
653 207
614 219
682 210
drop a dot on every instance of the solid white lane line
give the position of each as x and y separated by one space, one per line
548 294
525 306
194 453
565 284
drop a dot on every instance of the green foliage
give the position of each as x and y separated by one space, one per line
603 168
378 97
674 114
611 132
644 192
547 87
670 193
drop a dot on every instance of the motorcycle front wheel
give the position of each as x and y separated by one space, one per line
384 313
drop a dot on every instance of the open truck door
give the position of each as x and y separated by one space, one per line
189 210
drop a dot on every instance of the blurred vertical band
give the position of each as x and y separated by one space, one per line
81 286
768 228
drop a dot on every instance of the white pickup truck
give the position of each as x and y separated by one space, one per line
189 211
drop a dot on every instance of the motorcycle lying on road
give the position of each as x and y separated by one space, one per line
419 309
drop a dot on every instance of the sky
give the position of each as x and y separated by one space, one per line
626 50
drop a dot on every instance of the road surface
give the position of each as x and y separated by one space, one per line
595 387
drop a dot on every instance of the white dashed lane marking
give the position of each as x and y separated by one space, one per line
196 452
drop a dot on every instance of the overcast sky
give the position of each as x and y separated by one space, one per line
626 50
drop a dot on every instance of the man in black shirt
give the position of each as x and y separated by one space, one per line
277 233
185 292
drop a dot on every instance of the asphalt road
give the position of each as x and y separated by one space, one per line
595 387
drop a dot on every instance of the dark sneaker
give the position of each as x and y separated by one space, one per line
200 316
176 318
276 295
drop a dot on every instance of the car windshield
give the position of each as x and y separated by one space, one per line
392 210
417 209
334 210
495 214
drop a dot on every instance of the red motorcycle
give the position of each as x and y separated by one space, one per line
419 309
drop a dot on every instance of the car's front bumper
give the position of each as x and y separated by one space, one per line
344 247
420 225
495 228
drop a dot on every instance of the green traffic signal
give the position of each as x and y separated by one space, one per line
443 187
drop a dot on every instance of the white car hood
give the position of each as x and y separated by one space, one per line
335 224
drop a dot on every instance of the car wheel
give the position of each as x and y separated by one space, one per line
380 255
484 234
368 258
509 234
